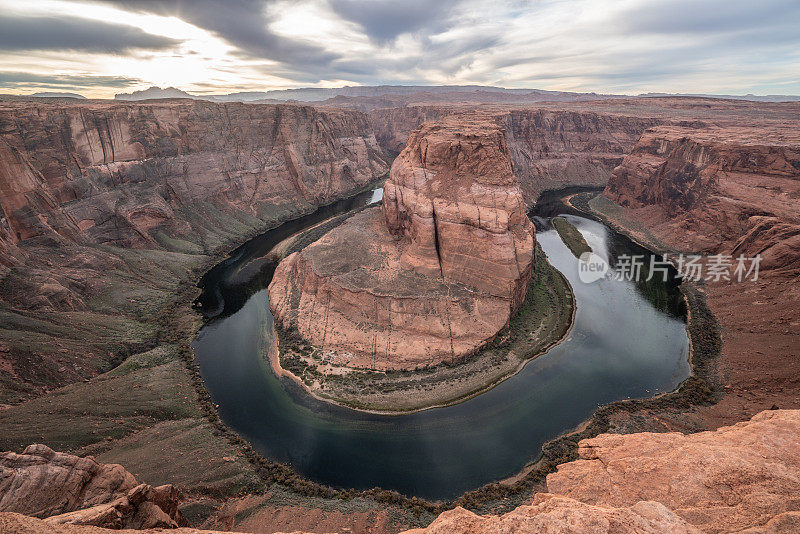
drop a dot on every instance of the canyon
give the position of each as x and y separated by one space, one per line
110 210
89 190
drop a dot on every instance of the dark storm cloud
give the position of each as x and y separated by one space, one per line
73 33
384 20
242 23
12 79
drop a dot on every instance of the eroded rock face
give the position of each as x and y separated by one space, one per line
554 513
68 489
433 275
734 478
120 173
453 201
717 190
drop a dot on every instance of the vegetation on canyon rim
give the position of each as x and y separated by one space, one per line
571 236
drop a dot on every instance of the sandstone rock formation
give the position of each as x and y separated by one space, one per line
717 190
119 174
557 514
730 479
93 195
743 478
72 490
430 278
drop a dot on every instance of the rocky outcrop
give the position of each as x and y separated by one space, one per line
430 278
453 201
126 173
68 489
743 478
554 513
730 479
717 190
549 148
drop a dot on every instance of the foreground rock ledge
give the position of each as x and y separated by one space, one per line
742 478
67 489
430 277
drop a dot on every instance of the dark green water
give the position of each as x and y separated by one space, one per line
628 341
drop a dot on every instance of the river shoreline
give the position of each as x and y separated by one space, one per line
557 451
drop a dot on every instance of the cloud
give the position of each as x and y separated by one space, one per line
73 33
711 16
582 45
242 23
14 79
384 20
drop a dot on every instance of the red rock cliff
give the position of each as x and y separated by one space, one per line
717 190
119 173
549 147
435 274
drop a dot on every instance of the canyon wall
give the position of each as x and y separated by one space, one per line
717 190
558 148
105 208
432 276
121 174
549 148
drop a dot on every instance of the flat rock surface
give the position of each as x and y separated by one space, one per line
734 478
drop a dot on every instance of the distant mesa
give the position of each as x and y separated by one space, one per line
399 95
155 93
48 94
433 275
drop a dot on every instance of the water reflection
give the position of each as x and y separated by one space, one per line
627 341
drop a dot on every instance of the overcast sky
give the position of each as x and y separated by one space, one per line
103 47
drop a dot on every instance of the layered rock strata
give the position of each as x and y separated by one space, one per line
430 277
549 148
68 489
717 190
102 173
104 206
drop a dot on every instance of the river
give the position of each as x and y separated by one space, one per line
628 341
